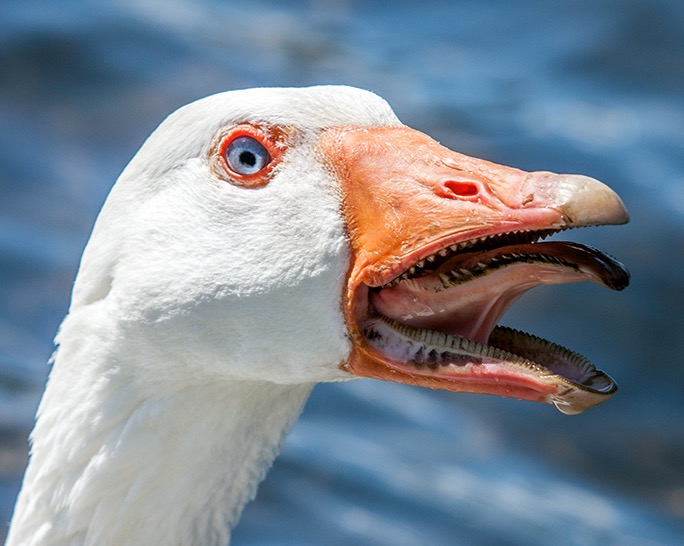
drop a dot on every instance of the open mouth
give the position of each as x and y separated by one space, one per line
441 245
437 318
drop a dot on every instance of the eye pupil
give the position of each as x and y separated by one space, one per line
245 155
248 158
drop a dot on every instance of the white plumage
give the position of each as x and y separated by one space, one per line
200 309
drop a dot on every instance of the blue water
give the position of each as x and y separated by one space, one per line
589 86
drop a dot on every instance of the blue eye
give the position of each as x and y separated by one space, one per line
246 155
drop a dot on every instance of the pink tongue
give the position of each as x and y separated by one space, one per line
471 309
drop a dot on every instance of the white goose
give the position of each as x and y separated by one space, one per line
265 240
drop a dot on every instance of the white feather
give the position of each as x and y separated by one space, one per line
201 317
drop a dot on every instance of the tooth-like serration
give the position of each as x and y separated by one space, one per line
487 242
403 342
418 347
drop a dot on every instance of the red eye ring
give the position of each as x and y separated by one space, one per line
238 153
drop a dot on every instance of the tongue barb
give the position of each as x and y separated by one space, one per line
514 364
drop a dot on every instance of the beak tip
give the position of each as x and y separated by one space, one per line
586 201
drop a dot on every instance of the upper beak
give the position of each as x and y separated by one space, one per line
403 191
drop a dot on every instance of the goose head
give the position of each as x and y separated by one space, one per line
265 240
307 235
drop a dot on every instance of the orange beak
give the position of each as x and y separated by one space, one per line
441 245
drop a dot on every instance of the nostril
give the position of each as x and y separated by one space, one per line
458 188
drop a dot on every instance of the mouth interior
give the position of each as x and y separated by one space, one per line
440 316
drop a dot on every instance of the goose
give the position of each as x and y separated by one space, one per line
265 240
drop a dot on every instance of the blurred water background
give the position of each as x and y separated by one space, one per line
588 86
